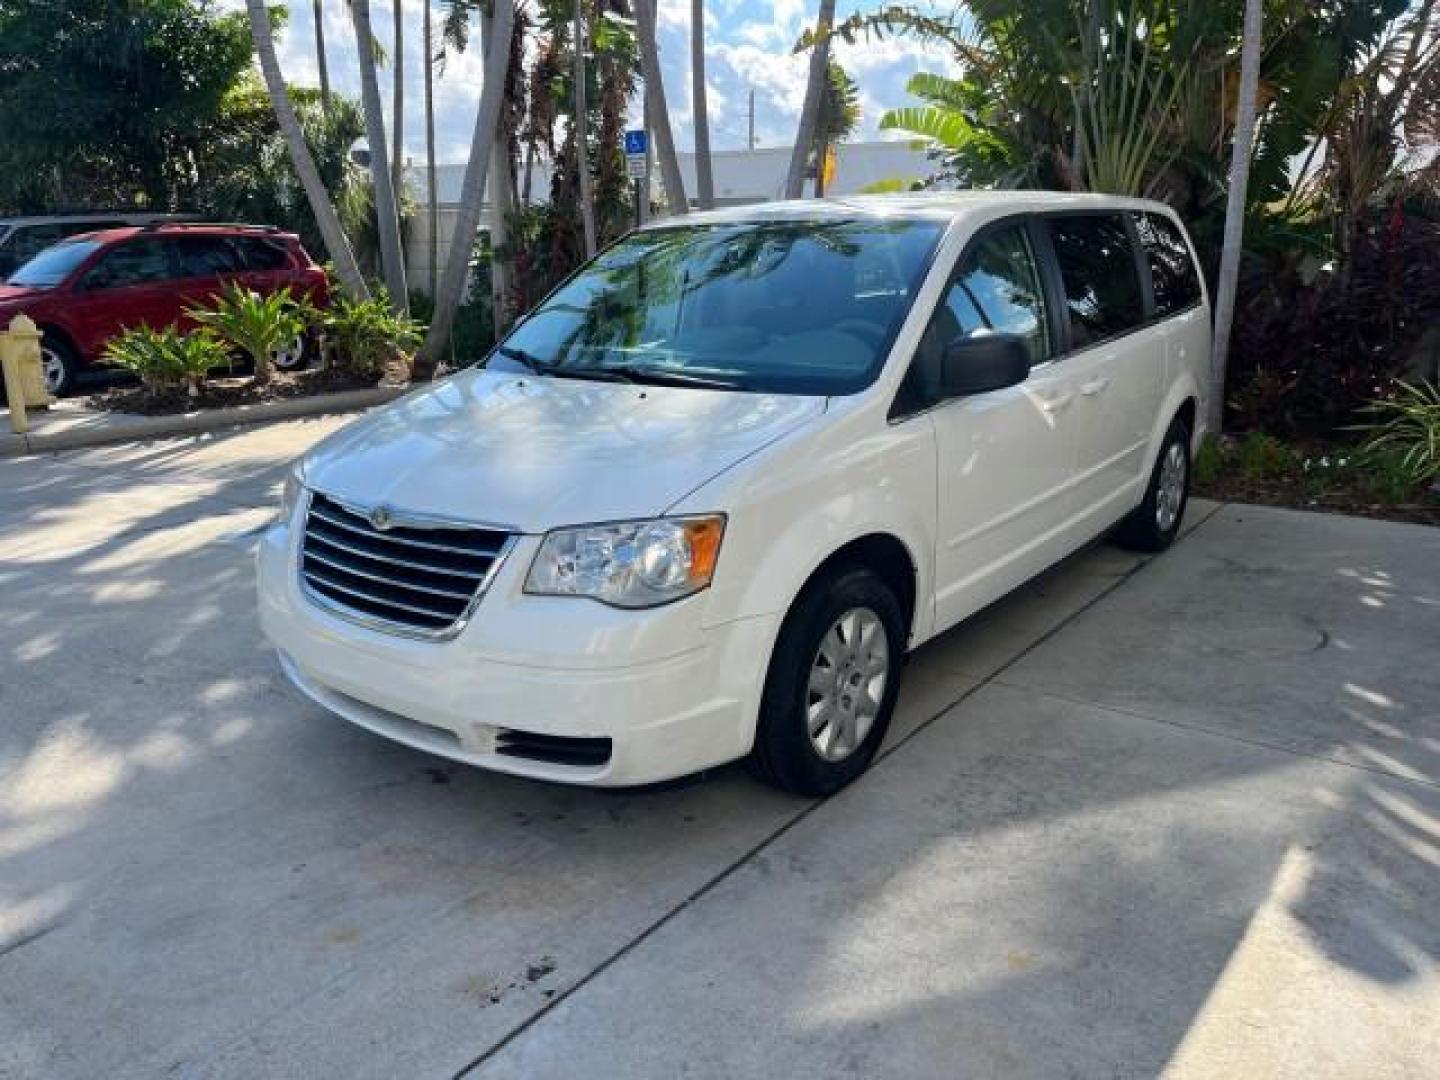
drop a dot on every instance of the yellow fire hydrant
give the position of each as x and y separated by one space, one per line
20 361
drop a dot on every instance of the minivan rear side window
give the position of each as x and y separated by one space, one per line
1100 276
1172 270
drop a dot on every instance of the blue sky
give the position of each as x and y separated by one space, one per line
748 45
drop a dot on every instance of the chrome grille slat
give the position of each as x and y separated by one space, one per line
427 544
449 594
313 537
396 579
361 594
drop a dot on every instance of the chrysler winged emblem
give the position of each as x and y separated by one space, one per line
382 517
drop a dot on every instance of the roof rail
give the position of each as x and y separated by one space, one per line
151 226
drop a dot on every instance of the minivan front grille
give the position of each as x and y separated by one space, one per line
409 575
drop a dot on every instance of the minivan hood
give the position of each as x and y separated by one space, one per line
532 453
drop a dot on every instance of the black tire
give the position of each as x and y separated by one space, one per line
60 364
784 754
1147 529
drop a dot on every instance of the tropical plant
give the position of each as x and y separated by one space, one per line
246 172
337 245
259 326
805 137
165 359
839 117
370 338
1406 427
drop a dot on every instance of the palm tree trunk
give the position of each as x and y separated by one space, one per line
392 259
704 174
397 110
1243 147
500 202
472 191
659 112
320 60
337 245
432 187
582 113
814 91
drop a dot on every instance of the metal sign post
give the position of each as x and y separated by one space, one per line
637 152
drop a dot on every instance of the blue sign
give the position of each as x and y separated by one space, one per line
637 143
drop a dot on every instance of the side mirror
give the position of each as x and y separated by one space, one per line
976 365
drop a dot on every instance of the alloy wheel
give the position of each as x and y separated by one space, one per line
847 684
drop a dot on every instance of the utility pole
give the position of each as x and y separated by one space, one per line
750 139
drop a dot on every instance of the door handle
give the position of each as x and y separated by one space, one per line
1096 386
1056 404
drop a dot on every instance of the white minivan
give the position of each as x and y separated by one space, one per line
702 501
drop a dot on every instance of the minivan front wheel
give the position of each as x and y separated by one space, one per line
1155 523
831 687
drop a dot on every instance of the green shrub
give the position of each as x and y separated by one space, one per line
368 337
1264 457
1210 462
259 326
1405 437
167 358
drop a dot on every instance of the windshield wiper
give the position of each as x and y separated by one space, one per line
529 360
669 377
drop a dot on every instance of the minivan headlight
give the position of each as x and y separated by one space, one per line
629 564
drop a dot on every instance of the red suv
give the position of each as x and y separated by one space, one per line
83 291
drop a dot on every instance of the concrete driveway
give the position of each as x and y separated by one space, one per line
1178 816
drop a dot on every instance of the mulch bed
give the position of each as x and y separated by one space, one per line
1336 500
226 393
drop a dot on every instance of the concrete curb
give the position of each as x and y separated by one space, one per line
155 427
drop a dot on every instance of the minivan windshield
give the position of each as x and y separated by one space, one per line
789 307
54 264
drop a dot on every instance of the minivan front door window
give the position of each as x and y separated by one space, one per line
790 307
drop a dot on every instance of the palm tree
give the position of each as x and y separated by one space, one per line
582 123
432 187
658 116
337 245
500 182
1241 151
472 191
392 258
704 175
320 60
397 110
839 117
814 92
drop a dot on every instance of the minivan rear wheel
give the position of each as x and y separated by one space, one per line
832 683
1155 523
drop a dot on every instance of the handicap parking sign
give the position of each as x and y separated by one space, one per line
637 142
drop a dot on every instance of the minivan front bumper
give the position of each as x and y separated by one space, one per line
553 688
